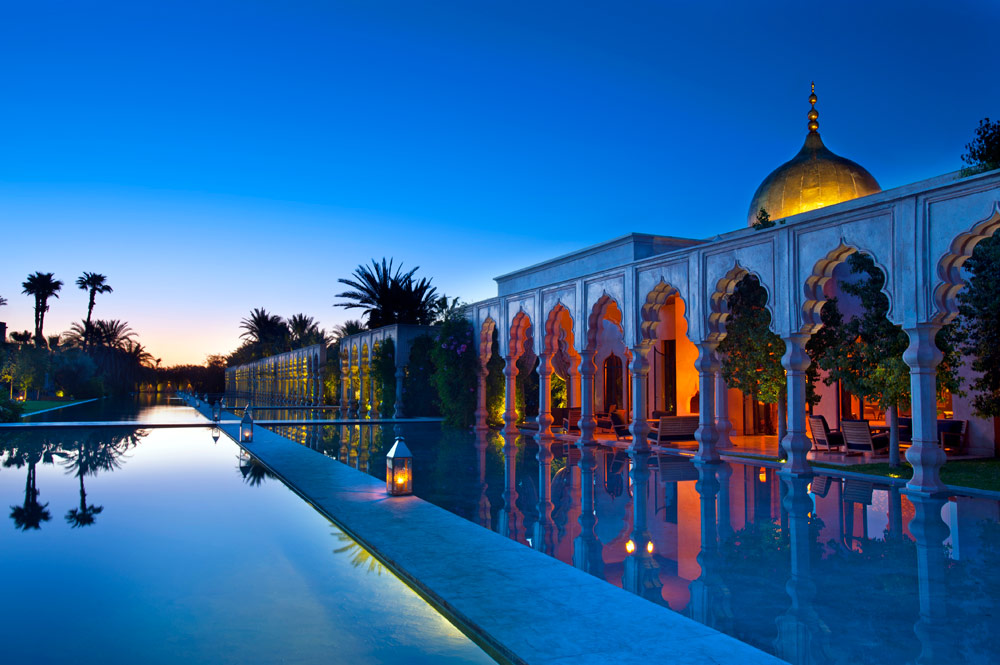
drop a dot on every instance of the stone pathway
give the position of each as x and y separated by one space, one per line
519 604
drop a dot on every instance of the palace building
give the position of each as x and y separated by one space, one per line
632 325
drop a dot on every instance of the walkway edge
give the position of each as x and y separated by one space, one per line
521 605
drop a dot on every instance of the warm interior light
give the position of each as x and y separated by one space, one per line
762 476
630 547
649 547
400 478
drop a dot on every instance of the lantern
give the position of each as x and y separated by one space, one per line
399 469
216 411
246 426
216 433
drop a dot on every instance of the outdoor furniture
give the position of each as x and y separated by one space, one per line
821 434
675 428
953 435
572 421
619 425
859 438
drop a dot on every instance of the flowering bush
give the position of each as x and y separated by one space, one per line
455 366
419 396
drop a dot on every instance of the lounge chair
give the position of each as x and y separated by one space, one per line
675 428
619 425
572 420
821 434
952 434
859 438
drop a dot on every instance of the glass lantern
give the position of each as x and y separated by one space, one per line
216 433
216 411
399 469
246 426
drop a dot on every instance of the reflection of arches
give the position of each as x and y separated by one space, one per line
950 266
815 295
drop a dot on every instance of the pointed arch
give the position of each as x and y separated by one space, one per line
950 265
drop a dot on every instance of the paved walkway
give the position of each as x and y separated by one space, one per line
519 603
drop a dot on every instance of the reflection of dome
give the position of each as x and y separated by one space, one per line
812 179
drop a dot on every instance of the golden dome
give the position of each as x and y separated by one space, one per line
812 179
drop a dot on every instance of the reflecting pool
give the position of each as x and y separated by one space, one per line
814 570
125 545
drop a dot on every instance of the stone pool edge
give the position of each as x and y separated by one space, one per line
517 604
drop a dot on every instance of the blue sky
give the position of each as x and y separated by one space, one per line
213 157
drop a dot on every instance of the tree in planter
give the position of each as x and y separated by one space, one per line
455 366
983 153
383 371
865 353
977 332
751 352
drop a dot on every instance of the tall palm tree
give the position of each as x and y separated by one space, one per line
305 331
3 301
389 296
42 286
348 328
267 331
94 283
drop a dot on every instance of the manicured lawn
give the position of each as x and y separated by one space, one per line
33 405
977 474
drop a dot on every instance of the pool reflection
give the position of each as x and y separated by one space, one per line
814 569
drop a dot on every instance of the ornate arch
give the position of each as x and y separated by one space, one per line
486 340
950 265
520 335
607 308
822 272
649 314
719 301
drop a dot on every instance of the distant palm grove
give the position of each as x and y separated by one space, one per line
95 357
386 295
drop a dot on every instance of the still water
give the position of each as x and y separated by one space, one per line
813 570
163 546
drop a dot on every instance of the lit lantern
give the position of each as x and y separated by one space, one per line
216 411
399 469
649 547
246 426
216 433
630 546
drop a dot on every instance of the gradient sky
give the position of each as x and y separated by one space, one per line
213 157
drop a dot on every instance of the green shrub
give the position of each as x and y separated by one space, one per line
455 362
383 371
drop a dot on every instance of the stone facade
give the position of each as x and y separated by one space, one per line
919 235
294 378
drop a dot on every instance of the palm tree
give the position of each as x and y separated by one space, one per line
42 286
348 328
388 296
267 331
114 334
29 452
305 331
3 301
101 451
94 283
21 337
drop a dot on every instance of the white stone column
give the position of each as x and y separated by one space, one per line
723 426
399 409
925 455
707 365
345 390
640 372
587 422
796 442
510 395
544 402
481 410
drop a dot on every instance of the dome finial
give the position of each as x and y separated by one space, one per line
813 113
